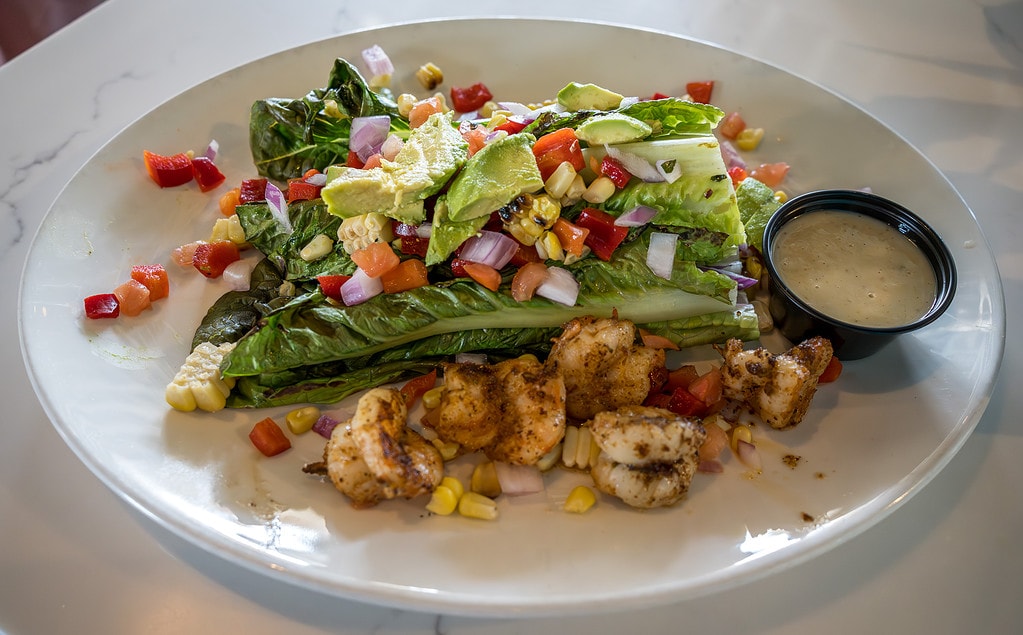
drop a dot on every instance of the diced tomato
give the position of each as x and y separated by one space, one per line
475 136
604 236
403 229
376 259
168 171
301 190
716 441
731 125
658 400
613 169
681 377
268 437
330 284
650 340
373 161
422 110
102 305
206 173
353 160
524 254
511 126
483 274
494 223
738 174
700 91
525 281
770 174
252 190
458 267
183 254
470 98
409 274
658 377
414 245
658 96
707 387
211 258
831 372
571 236
554 148
414 389
229 200
685 403
154 277
132 297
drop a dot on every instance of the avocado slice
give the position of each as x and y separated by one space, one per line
498 173
578 96
612 128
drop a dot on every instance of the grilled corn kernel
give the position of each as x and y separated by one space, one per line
447 449
443 501
580 499
549 460
474 505
317 248
484 480
454 485
749 139
781 196
549 247
560 180
301 420
405 102
599 190
740 433
430 76
431 398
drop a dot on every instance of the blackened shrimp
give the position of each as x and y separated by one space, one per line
512 411
603 365
375 456
777 388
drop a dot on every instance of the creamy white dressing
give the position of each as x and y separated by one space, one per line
854 268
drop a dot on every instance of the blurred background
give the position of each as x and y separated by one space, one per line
23 23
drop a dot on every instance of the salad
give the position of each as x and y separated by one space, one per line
399 232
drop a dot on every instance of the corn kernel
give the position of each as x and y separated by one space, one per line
447 449
431 398
331 109
570 445
571 258
781 196
551 246
474 505
575 191
443 501
317 248
582 448
549 460
229 228
379 81
580 499
749 139
405 102
740 433
454 485
560 180
484 480
599 190
301 420
491 108
430 76
497 118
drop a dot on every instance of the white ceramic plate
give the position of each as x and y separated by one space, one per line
869 442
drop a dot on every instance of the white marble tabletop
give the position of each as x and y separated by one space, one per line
947 76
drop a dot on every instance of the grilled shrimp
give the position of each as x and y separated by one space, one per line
375 456
777 388
512 411
648 455
602 364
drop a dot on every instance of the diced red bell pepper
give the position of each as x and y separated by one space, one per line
470 98
524 255
330 284
168 171
302 190
154 277
102 305
353 160
738 174
511 126
416 387
268 437
604 236
211 258
206 173
658 95
252 190
613 169
700 91
554 148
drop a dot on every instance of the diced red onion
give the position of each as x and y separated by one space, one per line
489 248
517 480
671 174
743 282
749 455
635 165
731 156
278 206
377 61
425 230
368 135
470 358
238 274
516 108
390 147
559 286
636 217
710 466
325 425
318 179
212 149
360 287
629 101
660 257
